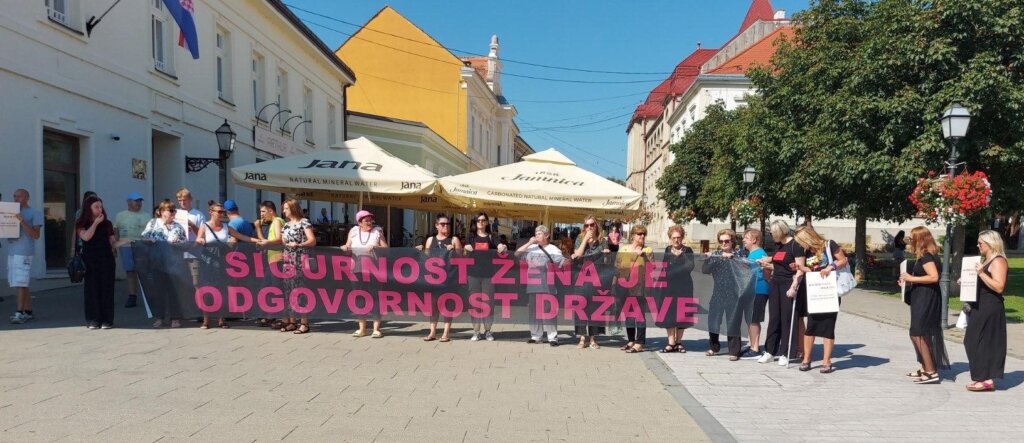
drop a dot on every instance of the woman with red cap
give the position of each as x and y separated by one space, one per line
362 239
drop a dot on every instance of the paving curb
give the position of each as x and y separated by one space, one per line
707 422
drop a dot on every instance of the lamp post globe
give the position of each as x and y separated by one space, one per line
748 174
682 191
225 139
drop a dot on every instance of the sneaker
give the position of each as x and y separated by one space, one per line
106 326
93 325
531 341
131 303
489 336
553 343
475 337
28 315
783 361
18 318
765 358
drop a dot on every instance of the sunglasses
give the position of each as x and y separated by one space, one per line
589 225
366 219
728 240
443 224
641 233
675 238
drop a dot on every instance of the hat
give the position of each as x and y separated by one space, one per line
230 205
135 196
363 214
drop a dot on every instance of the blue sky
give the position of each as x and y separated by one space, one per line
627 36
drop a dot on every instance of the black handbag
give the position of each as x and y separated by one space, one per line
76 267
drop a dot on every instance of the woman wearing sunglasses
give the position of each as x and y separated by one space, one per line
480 245
678 283
590 248
214 236
725 297
632 258
441 245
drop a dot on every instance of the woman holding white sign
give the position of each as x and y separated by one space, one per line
820 324
925 307
985 339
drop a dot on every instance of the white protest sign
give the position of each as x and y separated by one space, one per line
10 227
969 278
903 287
822 293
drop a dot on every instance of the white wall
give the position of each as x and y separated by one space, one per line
104 85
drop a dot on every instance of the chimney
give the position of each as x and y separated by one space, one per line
494 67
698 45
780 14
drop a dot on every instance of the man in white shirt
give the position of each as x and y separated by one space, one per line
195 219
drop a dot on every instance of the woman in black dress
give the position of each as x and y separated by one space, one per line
97 238
590 249
822 324
441 245
679 283
480 245
985 339
925 307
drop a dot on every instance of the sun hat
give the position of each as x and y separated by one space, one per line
363 214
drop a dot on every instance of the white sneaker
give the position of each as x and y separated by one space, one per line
783 361
765 358
489 336
476 337
18 318
27 316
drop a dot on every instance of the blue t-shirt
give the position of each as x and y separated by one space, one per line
242 226
760 285
26 245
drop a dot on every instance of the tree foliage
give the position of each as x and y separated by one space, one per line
847 114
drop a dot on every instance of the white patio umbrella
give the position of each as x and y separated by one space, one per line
546 185
356 171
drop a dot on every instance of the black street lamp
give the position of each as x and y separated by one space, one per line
226 144
955 121
682 191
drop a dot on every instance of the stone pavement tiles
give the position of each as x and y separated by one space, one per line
868 398
60 381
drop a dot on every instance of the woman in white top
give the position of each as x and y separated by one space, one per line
362 239
539 253
215 231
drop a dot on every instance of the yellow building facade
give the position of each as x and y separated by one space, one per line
406 74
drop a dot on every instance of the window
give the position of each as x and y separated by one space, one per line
498 158
307 112
57 10
282 95
163 55
223 64
332 124
258 70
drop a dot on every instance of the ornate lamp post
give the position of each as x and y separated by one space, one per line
748 177
955 121
226 145
682 191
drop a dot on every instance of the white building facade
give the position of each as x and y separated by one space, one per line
119 109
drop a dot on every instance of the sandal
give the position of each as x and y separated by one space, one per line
594 345
804 367
680 349
981 386
159 323
442 340
670 349
581 345
377 334
917 373
359 334
429 338
827 369
302 329
626 346
928 378
288 327
223 324
635 350
278 324
711 353
204 326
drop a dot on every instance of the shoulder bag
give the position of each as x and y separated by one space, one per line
844 278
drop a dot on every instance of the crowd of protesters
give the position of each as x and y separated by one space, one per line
778 285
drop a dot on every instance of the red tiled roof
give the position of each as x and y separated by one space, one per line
759 53
759 10
479 64
676 83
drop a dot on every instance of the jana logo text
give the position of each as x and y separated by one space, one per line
256 176
354 165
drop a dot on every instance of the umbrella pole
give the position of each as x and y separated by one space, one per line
388 229
547 216
360 201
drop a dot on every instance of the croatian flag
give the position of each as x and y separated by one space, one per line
182 12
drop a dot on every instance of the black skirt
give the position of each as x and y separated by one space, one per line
926 321
985 339
822 325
